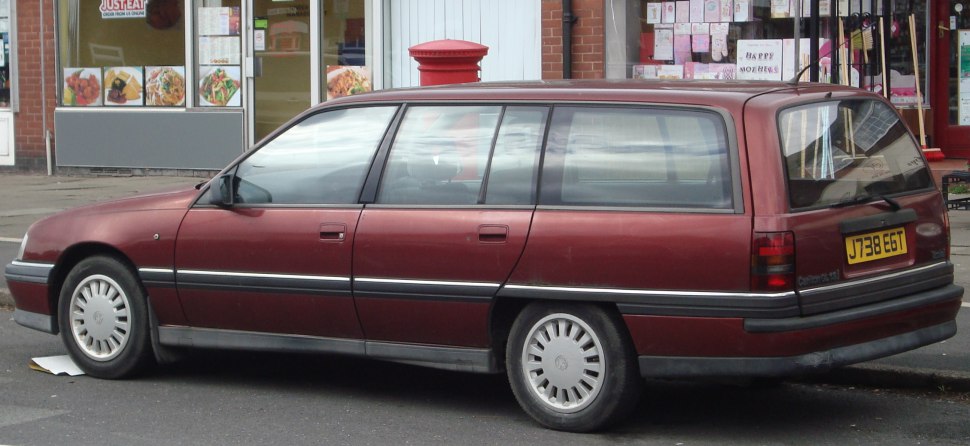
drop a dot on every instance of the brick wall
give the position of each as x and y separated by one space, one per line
30 149
587 42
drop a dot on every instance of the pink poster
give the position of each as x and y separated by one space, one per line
683 12
696 11
682 49
700 43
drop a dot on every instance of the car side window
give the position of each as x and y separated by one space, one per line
637 157
439 155
515 159
320 160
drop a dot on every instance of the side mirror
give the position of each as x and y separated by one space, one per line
221 191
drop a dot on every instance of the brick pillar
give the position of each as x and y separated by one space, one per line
588 44
30 149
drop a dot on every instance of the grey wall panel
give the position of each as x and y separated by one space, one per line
176 139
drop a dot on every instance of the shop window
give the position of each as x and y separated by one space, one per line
122 53
218 53
5 60
346 60
757 39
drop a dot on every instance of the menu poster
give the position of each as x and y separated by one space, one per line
670 12
712 11
654 13
219 86
743 10
670 71
123 86
760 59
219 50
219 21
683 12
347 80
696 11
682 49
663 45
700 43
82 87
645 71
727 10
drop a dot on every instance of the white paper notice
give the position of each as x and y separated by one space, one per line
654 13
219 50
760 59
259 40
56 365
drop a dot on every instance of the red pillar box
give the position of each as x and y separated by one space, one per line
448 61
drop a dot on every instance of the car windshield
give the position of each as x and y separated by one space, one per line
841 152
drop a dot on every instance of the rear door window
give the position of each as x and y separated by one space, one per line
637 157
841 152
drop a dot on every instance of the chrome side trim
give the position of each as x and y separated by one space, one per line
156 270
438 290
427 282
262 275
636 292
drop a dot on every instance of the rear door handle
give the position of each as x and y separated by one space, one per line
493 233
333 232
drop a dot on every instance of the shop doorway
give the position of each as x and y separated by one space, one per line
951 95
281 47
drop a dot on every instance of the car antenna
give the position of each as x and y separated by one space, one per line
794 81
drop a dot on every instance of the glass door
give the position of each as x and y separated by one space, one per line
951 95
281 49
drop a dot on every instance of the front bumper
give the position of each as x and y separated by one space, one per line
28 285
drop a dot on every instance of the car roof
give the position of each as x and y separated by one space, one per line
728 93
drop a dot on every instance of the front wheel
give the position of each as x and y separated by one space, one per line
572 366
103 318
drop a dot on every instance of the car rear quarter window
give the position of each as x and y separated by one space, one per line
515 159
843 151
637 157
321 160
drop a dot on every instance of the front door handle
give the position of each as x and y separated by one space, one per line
333 232
493 233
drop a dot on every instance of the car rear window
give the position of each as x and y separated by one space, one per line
637 157
845 151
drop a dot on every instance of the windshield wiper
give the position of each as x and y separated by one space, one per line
867 198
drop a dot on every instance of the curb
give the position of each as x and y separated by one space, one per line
884 376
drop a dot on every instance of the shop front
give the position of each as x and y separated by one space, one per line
190 84
923 69
7 77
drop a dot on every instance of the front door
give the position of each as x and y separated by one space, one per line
281 42
951 92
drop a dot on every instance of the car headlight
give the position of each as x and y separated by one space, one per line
23 247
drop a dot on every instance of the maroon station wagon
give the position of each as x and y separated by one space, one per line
577 235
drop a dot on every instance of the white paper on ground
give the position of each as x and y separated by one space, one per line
56 365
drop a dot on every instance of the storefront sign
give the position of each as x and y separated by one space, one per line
122 9
760 59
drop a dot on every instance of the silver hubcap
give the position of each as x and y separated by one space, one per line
563 361
99 317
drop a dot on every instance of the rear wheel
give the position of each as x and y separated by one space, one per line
103 318
572 366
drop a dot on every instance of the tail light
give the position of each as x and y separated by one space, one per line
773 261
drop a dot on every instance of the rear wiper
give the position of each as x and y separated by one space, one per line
867 198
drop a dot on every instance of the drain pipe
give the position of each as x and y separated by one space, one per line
568 20
43 91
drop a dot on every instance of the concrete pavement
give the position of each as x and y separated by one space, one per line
945 366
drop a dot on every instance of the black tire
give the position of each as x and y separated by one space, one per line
105 345
589 364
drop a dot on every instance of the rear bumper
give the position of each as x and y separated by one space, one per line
28 286
673 347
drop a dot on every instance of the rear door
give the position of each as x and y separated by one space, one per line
278 260
449 223
867 219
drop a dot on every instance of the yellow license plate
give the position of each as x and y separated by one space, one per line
875 245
